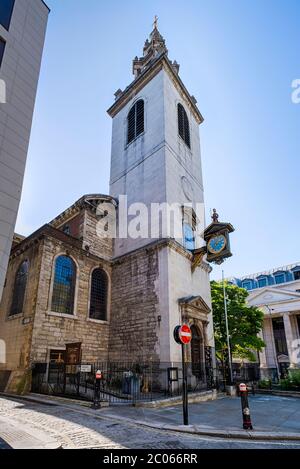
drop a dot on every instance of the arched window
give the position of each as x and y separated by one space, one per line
135 121
19 289
64 285
98 300
183 125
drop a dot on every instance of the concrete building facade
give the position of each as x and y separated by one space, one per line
22 34
277 293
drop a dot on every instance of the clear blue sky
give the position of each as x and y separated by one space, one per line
237 57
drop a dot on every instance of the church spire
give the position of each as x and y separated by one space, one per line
153 48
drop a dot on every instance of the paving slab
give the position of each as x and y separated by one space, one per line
22 436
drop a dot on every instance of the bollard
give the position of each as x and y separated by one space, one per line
247 425
98 378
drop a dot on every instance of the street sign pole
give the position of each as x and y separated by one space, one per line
183 336
184 388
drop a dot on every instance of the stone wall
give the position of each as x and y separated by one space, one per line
95 237
16 331
53 330
135 307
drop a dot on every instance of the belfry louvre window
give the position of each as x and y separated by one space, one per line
135 121
98 300
183 125
19 289
64 285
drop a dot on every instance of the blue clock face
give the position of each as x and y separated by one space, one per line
216 244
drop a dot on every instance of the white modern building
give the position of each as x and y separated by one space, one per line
22 34
277 293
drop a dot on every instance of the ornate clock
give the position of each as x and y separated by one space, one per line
216 244
216 236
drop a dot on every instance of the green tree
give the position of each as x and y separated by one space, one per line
244 322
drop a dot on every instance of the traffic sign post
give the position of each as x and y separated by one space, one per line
183 336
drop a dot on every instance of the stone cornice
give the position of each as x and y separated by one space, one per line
160 244
83 202
162 62
48 231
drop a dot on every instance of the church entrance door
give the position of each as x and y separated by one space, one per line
197 354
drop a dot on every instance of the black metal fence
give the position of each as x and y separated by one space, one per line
121 382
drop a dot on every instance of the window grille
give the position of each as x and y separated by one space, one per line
19 289
183 125
64 285
98 300
135 121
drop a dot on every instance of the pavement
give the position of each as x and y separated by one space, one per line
44 421
274 417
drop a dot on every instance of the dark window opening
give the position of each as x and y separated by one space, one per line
183 125
297 274
279 336
262 282
279 278
66 229
6 9
64 285
298 323
19 289
135 121
2 48
98 300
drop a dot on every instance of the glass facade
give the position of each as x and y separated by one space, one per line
2 48
6 9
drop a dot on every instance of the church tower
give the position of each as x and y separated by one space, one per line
156 159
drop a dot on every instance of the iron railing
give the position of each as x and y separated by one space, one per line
122 382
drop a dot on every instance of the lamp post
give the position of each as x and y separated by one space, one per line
227 331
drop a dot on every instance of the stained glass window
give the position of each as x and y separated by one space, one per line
64 285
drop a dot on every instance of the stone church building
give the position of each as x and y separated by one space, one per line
73 294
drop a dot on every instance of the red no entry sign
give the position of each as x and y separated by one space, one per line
183 334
